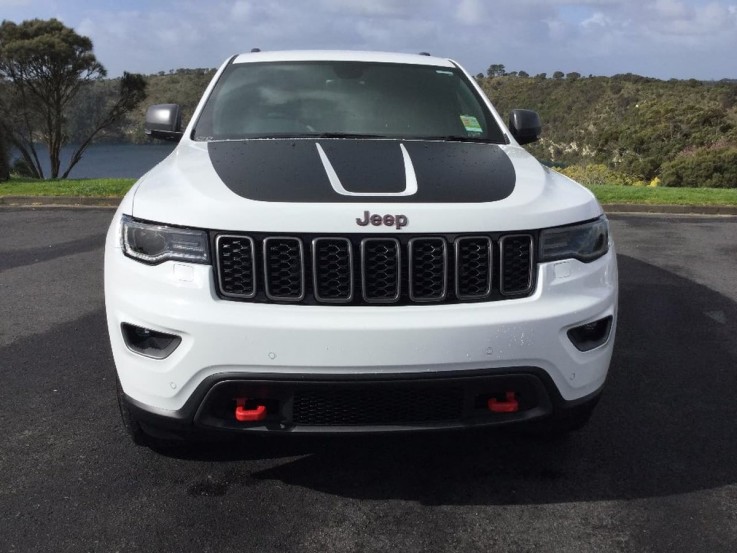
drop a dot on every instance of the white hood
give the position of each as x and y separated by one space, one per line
186 189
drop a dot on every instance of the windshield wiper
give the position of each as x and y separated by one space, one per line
456 138
288 135
343 135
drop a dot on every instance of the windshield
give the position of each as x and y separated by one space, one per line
345 99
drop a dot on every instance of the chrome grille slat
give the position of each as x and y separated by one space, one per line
366 270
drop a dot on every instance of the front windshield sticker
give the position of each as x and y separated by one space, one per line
471 123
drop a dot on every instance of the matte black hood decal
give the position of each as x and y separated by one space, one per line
348 170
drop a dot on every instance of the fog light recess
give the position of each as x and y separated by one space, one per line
591 335
150 343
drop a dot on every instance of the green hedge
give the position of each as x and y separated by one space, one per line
702 168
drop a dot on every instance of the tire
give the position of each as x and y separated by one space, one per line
573 422
135 430
560 426
132 426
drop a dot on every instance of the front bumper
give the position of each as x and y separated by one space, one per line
350 405
320 347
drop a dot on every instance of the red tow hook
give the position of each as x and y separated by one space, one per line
510 405
248 415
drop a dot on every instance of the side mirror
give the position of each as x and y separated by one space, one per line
164 121
525 125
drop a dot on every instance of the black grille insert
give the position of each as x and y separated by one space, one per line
428 262
474 267
332 266
284 268
516 264
380 259
365 270
388 405
236 262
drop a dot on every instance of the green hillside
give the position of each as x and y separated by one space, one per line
624 129
683 132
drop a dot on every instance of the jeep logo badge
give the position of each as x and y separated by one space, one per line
398 221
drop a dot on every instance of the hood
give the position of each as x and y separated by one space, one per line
357 171
328 185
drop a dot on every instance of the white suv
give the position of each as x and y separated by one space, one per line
355 241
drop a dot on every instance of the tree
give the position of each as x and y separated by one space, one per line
558 75
573 76
45 65
496 70
4 157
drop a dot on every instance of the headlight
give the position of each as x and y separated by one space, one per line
585 242
152 243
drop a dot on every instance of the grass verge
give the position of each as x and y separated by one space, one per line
610 194
69 187
606 194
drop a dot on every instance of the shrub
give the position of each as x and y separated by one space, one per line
597 173
703 167
21 169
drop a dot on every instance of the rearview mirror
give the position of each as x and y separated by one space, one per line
164 121
525 125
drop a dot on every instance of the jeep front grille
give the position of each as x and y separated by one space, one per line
368 270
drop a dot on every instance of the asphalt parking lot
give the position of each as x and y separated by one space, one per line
655 470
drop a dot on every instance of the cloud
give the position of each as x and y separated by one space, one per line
470 12
671 9
597 21
241 10
374 8
662 38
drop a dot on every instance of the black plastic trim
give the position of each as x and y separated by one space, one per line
412 259
184 423
128 331
490 268
533 266
583 343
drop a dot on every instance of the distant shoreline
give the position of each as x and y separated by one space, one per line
108 159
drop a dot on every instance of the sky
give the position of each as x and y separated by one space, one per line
665 39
